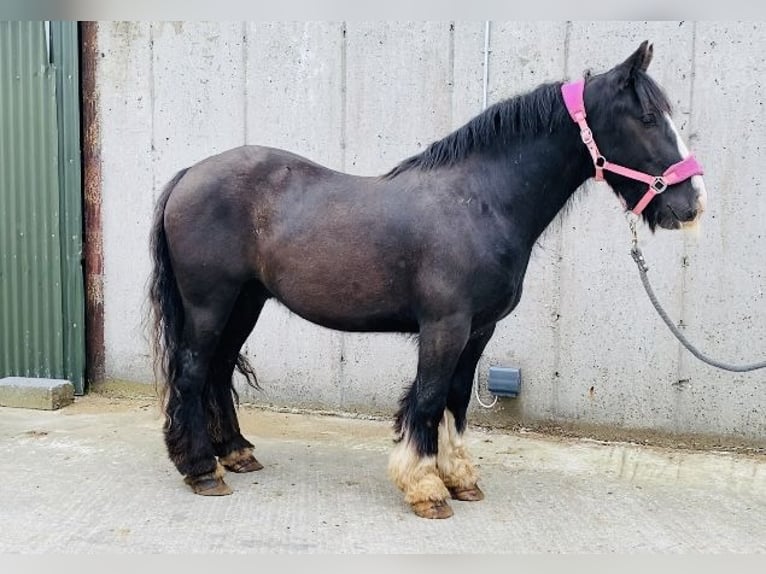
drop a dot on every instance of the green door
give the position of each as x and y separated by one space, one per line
41 276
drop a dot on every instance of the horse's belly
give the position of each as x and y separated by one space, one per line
348 292
347 314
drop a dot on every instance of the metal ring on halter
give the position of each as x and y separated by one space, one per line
600 161
659 185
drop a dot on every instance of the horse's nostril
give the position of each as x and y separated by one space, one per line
684 214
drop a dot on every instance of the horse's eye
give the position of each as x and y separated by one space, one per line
649 120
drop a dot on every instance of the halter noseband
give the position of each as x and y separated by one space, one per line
678 172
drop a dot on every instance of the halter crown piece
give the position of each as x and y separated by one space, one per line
676 173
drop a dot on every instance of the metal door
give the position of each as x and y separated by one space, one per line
41 278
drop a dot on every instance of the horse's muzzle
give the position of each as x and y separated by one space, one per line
675 217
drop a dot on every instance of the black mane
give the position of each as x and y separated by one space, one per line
514 118
522 116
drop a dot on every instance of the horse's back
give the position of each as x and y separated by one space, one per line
233 182
247 163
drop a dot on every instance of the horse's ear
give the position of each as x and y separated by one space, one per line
638 60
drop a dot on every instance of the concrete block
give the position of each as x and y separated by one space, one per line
32 393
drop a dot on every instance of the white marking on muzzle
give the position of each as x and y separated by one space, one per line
697 182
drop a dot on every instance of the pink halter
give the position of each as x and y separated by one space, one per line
684 169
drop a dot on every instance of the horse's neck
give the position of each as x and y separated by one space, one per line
537 179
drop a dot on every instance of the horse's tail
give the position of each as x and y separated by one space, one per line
166 306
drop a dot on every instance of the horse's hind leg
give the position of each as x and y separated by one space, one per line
186 434
234 451
454 463
413 462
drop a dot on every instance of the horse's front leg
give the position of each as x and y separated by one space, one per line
455 466
413 462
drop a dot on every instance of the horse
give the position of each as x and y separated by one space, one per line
437 247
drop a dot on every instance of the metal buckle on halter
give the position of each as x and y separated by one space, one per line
659 185
586 135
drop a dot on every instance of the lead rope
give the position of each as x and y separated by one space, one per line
643 268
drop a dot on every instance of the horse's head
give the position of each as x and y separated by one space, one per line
630 118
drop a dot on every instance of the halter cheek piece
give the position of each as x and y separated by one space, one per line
678 172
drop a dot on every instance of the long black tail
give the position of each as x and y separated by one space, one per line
166 306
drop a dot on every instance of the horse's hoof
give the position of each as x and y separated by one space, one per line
208 485
432 509
471 494
241 461
244 465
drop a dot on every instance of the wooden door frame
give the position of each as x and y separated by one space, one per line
93 243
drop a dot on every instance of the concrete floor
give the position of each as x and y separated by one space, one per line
94 478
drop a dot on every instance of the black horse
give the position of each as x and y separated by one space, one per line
438 246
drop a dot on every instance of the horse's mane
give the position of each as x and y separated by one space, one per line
514 118
519 117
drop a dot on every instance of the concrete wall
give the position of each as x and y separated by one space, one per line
358 97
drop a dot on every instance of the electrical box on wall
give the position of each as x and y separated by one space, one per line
504 381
